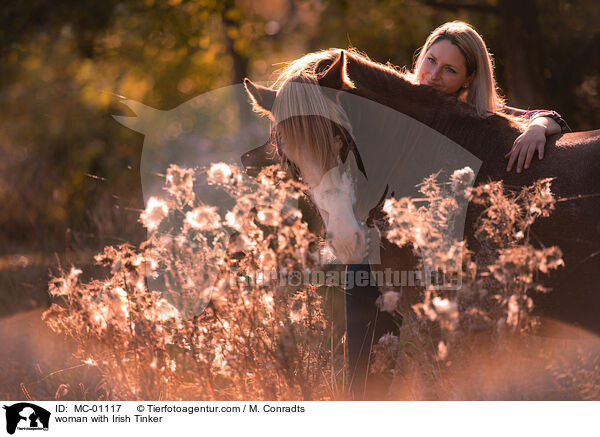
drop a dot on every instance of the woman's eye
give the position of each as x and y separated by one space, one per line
430 59
451 70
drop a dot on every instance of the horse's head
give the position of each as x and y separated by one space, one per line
312 132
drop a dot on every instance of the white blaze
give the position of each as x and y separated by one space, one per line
335 197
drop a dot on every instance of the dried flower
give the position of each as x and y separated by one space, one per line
461 180
220 174
180 184
269 217
155 212
203 218
442 351
388 301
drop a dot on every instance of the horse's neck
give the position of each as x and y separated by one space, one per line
454 120
484 138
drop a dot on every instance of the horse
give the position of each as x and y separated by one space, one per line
315 131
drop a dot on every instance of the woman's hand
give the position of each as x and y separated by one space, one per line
530 141
534 138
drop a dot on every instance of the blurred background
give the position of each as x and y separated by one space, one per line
69 173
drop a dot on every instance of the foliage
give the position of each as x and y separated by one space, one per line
199 311
489 303
212 333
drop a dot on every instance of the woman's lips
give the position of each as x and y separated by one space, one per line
433 85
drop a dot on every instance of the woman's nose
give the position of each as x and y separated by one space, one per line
435 73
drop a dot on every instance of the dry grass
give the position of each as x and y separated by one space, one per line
178 317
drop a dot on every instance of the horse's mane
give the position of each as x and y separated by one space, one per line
305 118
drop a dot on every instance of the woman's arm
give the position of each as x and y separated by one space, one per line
534 138
543 124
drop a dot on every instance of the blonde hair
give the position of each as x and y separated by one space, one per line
304 116
483 92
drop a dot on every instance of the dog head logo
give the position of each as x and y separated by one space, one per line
385 153
26 416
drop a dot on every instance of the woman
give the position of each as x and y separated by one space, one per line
455 60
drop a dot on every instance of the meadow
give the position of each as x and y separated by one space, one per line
199 310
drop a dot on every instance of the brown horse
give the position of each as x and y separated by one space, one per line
315 125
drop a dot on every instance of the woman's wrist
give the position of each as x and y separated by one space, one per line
538 124
549 126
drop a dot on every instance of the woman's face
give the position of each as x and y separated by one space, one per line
444 68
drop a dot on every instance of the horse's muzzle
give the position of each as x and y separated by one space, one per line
350 246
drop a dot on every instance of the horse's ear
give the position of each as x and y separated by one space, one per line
262 97
336 76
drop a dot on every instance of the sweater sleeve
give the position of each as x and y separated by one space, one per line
533 114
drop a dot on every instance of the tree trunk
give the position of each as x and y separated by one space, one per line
525 82
240 62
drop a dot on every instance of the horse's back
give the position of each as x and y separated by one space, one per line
575 159
572 161
577 139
